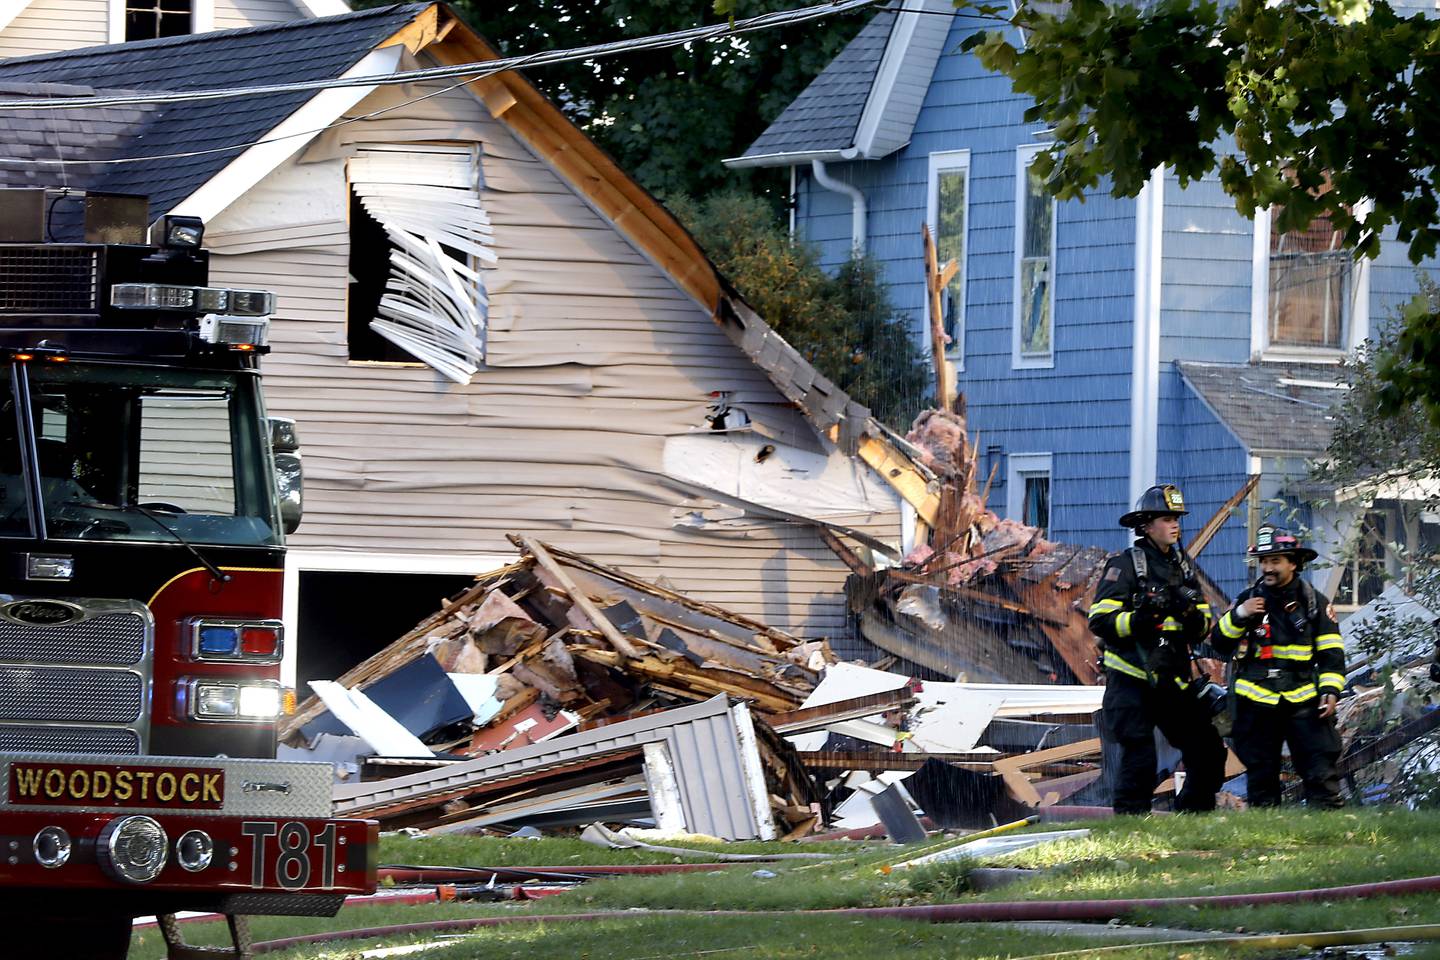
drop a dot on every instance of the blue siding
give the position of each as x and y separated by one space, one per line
1205 277
1198 453
1079 411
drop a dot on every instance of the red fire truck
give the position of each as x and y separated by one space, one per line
144 501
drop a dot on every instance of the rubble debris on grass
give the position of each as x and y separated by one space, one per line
558 692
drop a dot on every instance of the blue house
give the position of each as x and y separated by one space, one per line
1102 346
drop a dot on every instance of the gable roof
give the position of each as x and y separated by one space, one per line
293 51
863 105
1273 409
325 48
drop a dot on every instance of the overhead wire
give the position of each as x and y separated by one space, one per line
468 71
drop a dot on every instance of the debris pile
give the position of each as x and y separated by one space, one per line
589 680
986 599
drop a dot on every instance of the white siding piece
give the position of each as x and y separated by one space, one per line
784 478
234 14
49 26
427 199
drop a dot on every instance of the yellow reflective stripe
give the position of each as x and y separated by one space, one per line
1336 680
1203 606
1170 624
1329 641
1122 624
1182 684
1300 694
1253 691
1228 628
1105 606
1120 665
1293 651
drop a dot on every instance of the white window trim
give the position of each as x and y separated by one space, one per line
298 561
1018 466
1260 349
950 161
1024 155
202 18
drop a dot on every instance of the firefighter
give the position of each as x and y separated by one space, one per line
1147 613
1287 671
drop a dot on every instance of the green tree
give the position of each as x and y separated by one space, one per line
668 116
1317 107
845 325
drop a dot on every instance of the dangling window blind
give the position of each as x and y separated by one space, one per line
428 200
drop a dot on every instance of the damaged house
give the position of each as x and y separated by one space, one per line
483 326
1102 345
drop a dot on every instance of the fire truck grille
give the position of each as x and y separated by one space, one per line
118 742
117 639
47 279
70 695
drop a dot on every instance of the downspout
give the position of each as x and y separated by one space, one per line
857 204
1145 351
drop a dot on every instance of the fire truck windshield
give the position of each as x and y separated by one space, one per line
147 454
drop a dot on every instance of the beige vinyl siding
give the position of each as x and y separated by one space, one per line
47 26
594 358
230 14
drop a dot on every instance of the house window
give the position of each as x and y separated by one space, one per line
1367 571
419 238
949 205
1034 265
1028 490
1310 287
150 19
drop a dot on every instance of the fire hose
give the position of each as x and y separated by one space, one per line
991 912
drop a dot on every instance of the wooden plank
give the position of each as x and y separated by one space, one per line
811 718
1212 526
587 606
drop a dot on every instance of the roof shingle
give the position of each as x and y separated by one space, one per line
294 51
827 113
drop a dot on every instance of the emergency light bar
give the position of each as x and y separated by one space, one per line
219 300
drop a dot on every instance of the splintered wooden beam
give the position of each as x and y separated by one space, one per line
1212 526
846 555
587 606
685 679
936 278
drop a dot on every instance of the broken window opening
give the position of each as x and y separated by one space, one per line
434 239
152 19
1310 287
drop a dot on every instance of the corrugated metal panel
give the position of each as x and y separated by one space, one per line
703 742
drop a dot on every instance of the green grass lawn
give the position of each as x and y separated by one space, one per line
1250 852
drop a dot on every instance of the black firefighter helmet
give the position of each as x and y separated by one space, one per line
1161 500
1272 541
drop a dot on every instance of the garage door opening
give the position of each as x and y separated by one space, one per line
345 617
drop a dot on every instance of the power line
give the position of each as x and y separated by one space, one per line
465 71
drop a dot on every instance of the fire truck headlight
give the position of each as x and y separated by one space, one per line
133 849
260 703
244 702
216 701
195 850
52 847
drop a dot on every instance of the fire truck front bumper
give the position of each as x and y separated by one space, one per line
255 830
